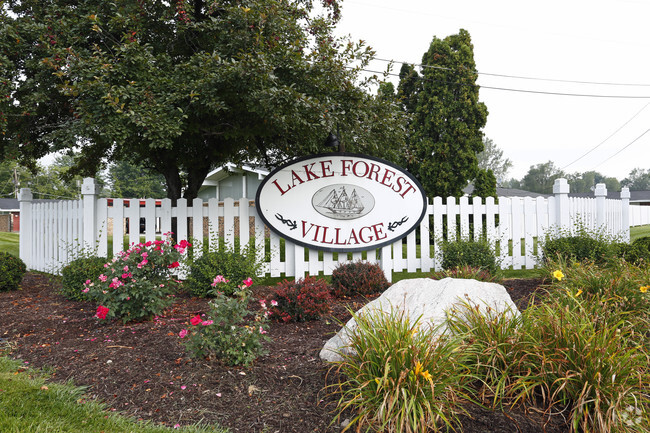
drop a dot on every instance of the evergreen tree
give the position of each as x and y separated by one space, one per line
447 116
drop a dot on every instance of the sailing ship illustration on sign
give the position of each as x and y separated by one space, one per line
343 202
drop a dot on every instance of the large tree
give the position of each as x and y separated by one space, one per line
541 177
133 181
491 158
447 116
180 87
586 182
638 180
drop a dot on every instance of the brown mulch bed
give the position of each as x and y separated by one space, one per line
142 369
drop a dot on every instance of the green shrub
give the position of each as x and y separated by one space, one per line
76 273
137 283
299 301
358 278
12 270
476 254
228 332
581 245
224 261
638 252
466 272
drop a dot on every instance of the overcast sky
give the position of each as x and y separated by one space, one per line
562 42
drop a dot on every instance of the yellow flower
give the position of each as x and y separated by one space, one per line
558 275
426 375
644 289
418 369
579 292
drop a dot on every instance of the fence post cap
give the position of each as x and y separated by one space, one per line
25 194
625 193
89 186
601 190
560 186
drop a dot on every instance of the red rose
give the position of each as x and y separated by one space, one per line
102 312
174 265
196 320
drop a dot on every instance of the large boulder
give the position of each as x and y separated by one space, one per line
427 299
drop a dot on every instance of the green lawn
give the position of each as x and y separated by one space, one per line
639 232
9 243
31 404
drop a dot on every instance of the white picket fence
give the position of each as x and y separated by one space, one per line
52 233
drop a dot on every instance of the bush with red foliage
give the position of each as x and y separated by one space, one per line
299 301
358 278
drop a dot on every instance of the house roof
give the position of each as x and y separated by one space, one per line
227 169
508 192
9 204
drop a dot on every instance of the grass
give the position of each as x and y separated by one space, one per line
9 242
638 232
31 404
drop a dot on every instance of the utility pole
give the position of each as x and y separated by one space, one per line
16 181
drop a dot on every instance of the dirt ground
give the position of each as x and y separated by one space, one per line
142 370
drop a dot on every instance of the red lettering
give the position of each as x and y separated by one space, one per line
345 167
410 188
282 192
374 169
325 235
354 169
399 184
295 177
311 226
326 170
378 231
361 235
388 174
353 235
310 174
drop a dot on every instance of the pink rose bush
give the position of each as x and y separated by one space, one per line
136 285
228 330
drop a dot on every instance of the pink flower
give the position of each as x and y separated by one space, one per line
263 303
125 276
218 279
195 320
87 281
126 269
262 331
86 290
102 312
183 333
103 278
248 281
207 322
274 303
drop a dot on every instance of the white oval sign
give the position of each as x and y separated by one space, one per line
341 202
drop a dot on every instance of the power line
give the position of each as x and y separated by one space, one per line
610 136
507 89
630 144
519 77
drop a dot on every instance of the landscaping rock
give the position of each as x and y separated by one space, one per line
428 299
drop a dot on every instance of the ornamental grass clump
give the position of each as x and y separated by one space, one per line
137 284
400 377
590 366
494 348
228 331
582 350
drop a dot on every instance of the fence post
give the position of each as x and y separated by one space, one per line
625 214
89 192
562 215
25 241
600 192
